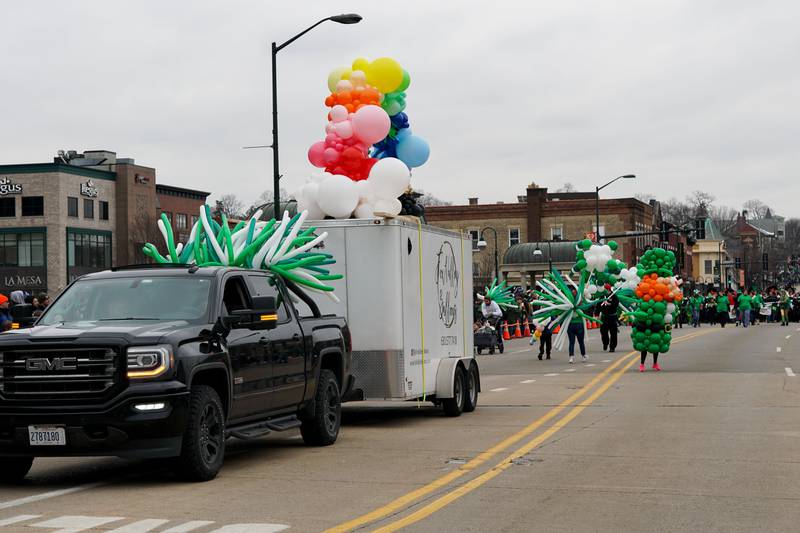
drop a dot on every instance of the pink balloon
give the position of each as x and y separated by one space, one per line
330 155
371 124
316 154
338 113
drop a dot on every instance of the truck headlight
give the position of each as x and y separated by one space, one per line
148 361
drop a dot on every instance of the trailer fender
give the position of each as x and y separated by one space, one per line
446 373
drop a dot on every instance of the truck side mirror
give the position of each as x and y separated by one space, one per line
261 315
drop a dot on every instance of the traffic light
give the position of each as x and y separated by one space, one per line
765 261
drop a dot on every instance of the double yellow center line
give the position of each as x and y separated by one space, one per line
402 503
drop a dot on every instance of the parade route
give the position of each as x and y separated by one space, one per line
707 444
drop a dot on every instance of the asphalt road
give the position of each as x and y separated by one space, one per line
711 443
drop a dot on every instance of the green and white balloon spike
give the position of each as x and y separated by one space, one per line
500 294
279 247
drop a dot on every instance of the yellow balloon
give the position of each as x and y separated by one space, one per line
385 74
346 74
336 75
361 64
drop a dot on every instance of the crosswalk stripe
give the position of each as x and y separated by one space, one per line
188 526
142 526
76 523
251 528
18 518
499 389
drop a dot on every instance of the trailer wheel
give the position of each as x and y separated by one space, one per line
455 406
471 390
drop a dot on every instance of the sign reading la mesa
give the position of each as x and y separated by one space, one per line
88 189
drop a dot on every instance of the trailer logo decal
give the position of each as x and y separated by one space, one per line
447 280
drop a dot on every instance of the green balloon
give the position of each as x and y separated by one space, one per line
659 307
585 244
653 348
405 83
613 245
580 265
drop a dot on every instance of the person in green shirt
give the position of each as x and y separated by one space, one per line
695 304
722 308
745 304
785 304
758 303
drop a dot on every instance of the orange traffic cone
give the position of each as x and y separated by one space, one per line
527 331
506 336
517 332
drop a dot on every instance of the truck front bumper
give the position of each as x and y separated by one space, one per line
121 430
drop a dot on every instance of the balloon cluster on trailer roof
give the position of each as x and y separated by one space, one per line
368 149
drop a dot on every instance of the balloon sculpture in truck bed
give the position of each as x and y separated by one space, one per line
282 247
368 148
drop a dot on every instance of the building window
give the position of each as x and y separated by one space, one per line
195 219
33 206
708 266
92 250
474 236
72 206
513 236
8 207
22 249
556 233
180 221
103 210
88 208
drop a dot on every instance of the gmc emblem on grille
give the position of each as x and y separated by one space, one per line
38 364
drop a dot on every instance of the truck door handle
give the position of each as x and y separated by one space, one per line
263 341
295 337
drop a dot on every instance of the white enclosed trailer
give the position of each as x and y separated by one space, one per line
407 297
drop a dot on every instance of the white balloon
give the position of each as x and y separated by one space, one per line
364 191
337 196
364 210
668 318
670 308
388 208
310 205
343 85
389 178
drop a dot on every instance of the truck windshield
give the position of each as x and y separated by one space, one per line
118 299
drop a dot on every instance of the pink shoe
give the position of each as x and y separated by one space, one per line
641 368
656 367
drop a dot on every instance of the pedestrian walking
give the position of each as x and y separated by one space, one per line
609 310
758 303
745 305
695 305
492 313
545 338
785 304
723 308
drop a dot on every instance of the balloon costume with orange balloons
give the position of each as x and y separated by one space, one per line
659 293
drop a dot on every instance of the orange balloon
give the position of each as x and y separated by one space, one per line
658 298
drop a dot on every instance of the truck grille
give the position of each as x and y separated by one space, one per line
62 373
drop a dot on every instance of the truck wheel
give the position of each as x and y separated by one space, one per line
204 439
14 469
323 428
455 406
471 390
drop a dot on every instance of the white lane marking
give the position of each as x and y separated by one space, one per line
550 375
789 372
778 349
788 336
498 389
51 494
798 329
589 364
18 518
73 524
528 381
188 526
569 370
142 526
251 528
606 361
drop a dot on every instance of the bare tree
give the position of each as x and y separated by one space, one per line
724 217
677 212
700 201
755 208
567 187
230 205
428 199
266 197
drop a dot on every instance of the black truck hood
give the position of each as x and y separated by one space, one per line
124 332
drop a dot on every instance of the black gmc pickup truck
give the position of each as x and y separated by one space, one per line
169 362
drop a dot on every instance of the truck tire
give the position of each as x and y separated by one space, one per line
14 469
455 406
471 389
203 448
323 428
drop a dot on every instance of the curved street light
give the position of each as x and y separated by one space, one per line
597 202
482 244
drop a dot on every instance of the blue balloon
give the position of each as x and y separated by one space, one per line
413 151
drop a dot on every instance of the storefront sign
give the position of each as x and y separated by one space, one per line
88 189
6 187
31 279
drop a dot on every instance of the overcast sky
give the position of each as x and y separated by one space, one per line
685 94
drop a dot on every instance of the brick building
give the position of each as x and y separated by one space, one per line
540 216
79 214
182 207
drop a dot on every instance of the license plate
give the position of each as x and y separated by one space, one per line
47 436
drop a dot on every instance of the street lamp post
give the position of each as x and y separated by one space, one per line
482 244
597 202
538 252
349 18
